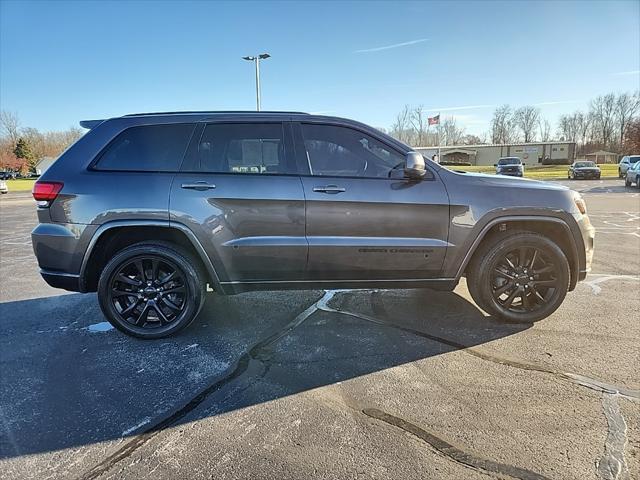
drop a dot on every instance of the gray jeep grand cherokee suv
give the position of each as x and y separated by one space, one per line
147 209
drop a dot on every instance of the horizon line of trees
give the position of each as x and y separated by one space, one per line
22 147
611 122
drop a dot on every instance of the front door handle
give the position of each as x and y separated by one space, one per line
329 189
198 186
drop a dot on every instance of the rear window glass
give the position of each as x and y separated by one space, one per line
149 148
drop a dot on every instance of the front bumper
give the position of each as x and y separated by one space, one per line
587 174
514 173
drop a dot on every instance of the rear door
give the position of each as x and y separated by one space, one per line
365 221
239 192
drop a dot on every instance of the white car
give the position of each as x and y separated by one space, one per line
3 187
633 175
626 163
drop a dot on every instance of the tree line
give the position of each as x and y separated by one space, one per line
22 147
611 122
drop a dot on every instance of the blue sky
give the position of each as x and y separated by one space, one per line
61 62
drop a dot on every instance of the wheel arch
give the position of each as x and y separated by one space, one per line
112 237
553 228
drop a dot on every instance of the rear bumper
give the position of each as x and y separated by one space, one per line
66 281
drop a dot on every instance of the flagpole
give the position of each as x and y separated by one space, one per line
439 158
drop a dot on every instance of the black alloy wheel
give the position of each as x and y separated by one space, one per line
523 280
151 290
518 276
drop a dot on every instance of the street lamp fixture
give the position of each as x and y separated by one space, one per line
256 59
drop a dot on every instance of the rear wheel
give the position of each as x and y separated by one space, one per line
151 290
520 277
627 183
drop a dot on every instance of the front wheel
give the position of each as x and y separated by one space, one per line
627 183
520 277
151 290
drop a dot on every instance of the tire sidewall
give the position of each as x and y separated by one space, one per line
193 296
508 244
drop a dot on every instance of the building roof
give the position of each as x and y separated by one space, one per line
477 145
601 152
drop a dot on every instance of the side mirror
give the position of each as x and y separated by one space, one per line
414 166
523 164
495 164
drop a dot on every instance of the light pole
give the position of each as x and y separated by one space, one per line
256 59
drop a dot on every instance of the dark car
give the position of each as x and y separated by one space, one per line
583 169
148 209
510 166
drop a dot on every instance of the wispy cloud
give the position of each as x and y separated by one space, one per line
558 102
389 47
463 107
630 72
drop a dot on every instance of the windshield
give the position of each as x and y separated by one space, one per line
634 159
585 164
509 161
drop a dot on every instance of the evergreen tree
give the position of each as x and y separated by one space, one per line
23 150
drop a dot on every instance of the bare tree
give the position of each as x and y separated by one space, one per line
582 123
502 125
10 124
526 119
400 128
627 104
418 121
602 112
449 132
545 129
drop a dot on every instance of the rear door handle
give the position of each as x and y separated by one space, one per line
198 186
329 189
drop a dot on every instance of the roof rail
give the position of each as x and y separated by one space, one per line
207 112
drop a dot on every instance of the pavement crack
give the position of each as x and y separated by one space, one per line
582 380
460 456
613 465
260 351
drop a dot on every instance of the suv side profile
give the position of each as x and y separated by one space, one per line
148 209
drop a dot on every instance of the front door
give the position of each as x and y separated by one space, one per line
365 221
239 192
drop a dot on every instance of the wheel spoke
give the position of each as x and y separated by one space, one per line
177 289
121 293
163 318
545 283
504 274
138 264
125 313
503 289
142 318
526 301
545 269
511 298
537 293
131 281
522 256
170 304
154 269
167 279
533 258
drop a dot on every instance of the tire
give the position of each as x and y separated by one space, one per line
530 294
638 182
620 175
627 183
155 302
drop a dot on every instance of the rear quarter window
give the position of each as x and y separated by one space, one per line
148 148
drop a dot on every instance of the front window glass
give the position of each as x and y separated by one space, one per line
345 152
634 159
585 164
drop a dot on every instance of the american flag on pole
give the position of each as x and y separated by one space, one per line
434 120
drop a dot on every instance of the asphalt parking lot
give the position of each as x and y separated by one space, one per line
362 384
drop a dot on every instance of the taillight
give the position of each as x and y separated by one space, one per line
46 192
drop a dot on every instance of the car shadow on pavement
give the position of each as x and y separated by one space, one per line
68 380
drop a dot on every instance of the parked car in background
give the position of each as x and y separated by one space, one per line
633 175
3 187
7 175
148 209
625 163
583 169
510 166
